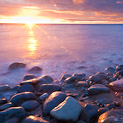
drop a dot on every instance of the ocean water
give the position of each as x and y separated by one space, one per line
59 49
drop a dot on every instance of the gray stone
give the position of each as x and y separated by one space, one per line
65 76
35 69
12 120
97 89
34 119
16 65
31 81
4 88
71 80
82 84
89 113
9 113
25 88
80 76
68 110
119 73
52 101
119 67
117 85
5 106
112 116
3 101
19 98
43 96
28 77
30 105
49 88
110 70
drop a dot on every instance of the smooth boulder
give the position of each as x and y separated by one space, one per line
16 65
97 89
68 110
30 105
52 101
34 119
19 98
112 116
28 77
4 88
18 112
35 69
117 85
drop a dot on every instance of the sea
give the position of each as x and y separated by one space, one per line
59 49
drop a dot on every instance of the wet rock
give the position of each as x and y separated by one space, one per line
30 105
119 67
112 116
117 85
81 121
16 65
4 88
12 120
68 110
3 101
97 78
5 106
97 89
28 77
71 80
89 113
112 79
31 81
43 96
45 80
25 88
110 70
102 101
65 76
82 84
80 77
111 106
119 73
34 119
52 101
35 69
102 110
9 113
19 98
49 88
68 87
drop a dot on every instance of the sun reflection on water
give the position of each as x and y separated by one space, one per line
32 42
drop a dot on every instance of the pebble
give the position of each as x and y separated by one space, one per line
35 69
19 98
5 106
119 67
52 101
68 110
43 96
4 88
28 77
3 101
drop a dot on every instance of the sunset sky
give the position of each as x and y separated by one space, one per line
61 11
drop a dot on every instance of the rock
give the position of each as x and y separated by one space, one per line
45 80
16 65
19 98
112 79
71 80
89 113
28 77
3 101
117 85
110 70
102 110
119 67
49 88
30 105
112 116
52 101
65 76
82 84
12 120
119 73
68 110
25 88
80 76
9 113
35 69
43 96
4 88
119 94
97 78
97 89
34 119
102 101
31 81
68 87
5 106
111 106
81 121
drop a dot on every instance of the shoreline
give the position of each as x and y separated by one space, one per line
97 98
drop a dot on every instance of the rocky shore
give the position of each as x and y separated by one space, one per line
72 99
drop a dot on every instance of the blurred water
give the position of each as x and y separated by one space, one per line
59 48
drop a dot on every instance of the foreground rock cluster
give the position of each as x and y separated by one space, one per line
72 99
